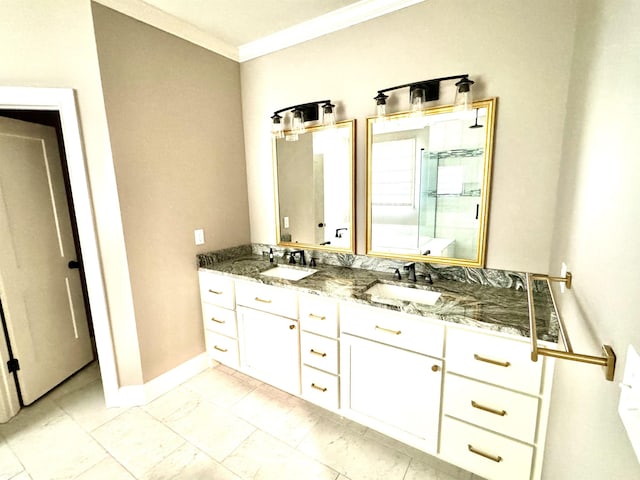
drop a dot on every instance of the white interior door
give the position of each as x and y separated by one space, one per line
41 296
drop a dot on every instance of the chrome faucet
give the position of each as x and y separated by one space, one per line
411 268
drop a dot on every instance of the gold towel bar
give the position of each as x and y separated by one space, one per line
608 360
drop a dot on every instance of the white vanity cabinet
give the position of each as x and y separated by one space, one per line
391 374
268 334
495 405
217 294
319 350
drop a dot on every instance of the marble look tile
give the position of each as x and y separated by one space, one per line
263 457
210 428
49 443
422 471
219 387
353 454
22 476
187 462
179 398
80 379
86 406
285 417
137 440
10 466
108 469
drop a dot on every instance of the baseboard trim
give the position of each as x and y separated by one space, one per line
137 395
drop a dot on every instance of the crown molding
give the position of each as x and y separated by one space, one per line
157 18
331 22
322 25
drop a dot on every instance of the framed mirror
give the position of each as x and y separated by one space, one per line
314 185
428 181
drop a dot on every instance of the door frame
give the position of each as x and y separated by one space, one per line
63 100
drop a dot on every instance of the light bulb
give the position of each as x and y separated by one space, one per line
328 115
297 124
277 127
417 100
464 98
381 104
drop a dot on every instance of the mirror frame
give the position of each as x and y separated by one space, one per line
352 172
479 261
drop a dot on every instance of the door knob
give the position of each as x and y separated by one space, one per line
73 264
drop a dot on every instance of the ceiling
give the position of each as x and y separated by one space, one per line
246 29
238 22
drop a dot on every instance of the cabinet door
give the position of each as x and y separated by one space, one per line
269 348
396 387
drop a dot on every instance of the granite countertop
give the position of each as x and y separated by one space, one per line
502 310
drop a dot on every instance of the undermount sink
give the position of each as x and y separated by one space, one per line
387 293
288 273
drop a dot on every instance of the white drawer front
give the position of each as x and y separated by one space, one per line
484 453
222 349
320 388
405 331
219 320
503 411
493 359
217 289
319 352
319 315
266 298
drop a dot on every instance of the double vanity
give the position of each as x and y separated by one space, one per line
445 368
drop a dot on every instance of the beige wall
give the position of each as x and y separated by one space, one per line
174 115
520 55
51 44
596 233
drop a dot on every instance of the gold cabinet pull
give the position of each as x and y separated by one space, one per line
317 317
322 389
495 458
388 330
220 349
484 408
292 327
435 368
215 292
480 358
258 299
320 354
218 321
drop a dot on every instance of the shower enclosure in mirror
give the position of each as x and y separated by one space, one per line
428 179
314 184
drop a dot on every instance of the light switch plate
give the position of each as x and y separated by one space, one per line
629 407
199 236
286 222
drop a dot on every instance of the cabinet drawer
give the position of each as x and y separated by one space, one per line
266 298
492 359
503 411
222 349
405 331
217 289
319 315
319 352
219 320
484 453
320 388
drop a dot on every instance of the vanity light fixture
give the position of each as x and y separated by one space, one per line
305 112
428 90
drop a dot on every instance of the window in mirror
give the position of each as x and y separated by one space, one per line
314 178
428 179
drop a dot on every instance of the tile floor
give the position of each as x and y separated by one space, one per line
219 425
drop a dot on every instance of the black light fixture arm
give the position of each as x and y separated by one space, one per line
423 82
302 106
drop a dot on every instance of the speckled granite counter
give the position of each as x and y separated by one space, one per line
499 309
